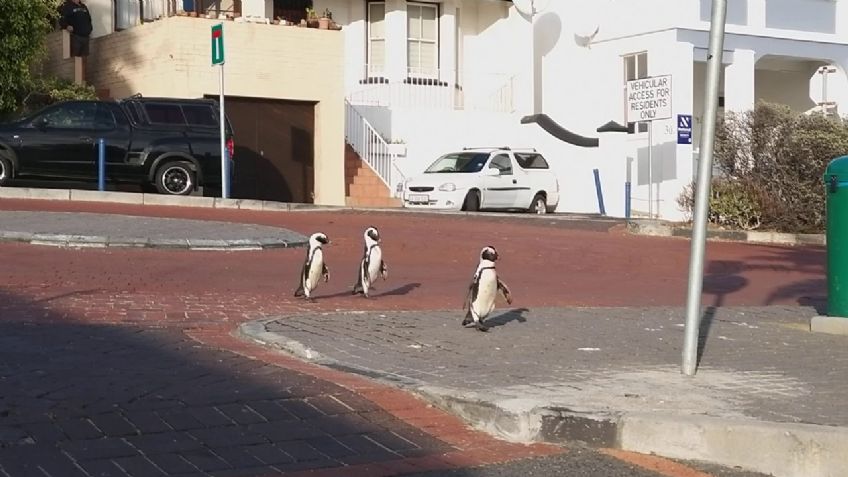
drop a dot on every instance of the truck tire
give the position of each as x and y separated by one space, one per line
472 202
5 171
539 205
175 178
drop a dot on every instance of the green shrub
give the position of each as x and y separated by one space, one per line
776 160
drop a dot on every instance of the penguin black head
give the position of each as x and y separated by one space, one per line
319 238
489 253
373 233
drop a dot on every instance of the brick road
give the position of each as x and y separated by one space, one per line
54 302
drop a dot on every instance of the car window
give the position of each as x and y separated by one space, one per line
459 162
70 116
502 162
104 119
200 115
164 113
531 161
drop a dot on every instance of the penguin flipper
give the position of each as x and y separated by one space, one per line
299 291
505 291
384 270
325 273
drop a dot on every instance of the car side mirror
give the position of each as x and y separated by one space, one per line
493 172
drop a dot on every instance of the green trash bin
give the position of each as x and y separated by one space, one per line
836 185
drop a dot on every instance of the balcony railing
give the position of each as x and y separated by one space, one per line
428 88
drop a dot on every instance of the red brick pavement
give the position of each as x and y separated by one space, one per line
430 260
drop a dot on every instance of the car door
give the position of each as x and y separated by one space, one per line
58 142
500 190
112 126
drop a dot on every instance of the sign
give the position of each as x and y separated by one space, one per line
218 44
649 99
684 129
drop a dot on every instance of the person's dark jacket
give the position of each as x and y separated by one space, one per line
77 16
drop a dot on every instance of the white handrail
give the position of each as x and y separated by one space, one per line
372 148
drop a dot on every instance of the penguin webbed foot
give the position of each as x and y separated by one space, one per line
482 327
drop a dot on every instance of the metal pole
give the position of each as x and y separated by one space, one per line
101 164
627 200
650 169
225 179
699 226
533 109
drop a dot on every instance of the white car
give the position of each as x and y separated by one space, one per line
485 179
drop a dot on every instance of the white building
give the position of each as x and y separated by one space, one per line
441 75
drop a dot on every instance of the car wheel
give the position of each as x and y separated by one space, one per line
472 202
175 178
5 171
539 205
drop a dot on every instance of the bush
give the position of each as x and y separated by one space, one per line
732 204
41 92
775 161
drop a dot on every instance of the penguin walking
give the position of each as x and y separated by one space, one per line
314 268
372 263
485 285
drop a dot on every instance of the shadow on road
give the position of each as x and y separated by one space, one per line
150 399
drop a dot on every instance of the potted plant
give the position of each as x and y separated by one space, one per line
324 21
311 18
397 147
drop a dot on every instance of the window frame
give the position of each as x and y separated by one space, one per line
144 106
493 166
368 39
417 71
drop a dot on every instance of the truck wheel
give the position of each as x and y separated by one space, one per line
539 205
472 202
5 171
175 178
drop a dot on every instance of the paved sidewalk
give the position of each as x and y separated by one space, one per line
80 229
608 376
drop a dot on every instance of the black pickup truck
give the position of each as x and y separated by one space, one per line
171 144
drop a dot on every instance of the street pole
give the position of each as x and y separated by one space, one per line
702 194
650 170
225 179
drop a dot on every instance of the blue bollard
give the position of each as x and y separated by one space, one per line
599 192
627 200
101 165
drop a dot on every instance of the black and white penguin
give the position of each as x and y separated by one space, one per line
314 268
372 263
484 288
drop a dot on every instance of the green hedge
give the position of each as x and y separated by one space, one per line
771 163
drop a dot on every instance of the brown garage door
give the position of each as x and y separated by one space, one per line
273 156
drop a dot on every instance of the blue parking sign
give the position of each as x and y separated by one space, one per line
684 129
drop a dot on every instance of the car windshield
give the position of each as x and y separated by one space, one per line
459 162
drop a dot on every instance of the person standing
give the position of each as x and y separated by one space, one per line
75 17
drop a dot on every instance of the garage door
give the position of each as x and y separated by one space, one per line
274 153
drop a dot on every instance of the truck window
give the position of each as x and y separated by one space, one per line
200 115
164 114
531 161
502 162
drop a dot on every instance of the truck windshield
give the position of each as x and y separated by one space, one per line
459 162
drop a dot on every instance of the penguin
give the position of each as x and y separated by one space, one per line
485 285
314 268
371 264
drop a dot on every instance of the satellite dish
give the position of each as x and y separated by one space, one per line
530 7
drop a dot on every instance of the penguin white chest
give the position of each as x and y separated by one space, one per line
375 259
487 289
315 268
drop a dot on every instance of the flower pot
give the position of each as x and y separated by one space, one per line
324 23
312 23
397 149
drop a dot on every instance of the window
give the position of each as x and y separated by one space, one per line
422 39
531 161
104 119
71 116
502 163
376 38
200 115
636 67
164 113
459 162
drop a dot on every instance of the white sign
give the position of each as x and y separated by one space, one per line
649 99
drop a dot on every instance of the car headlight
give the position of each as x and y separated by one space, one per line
449 187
